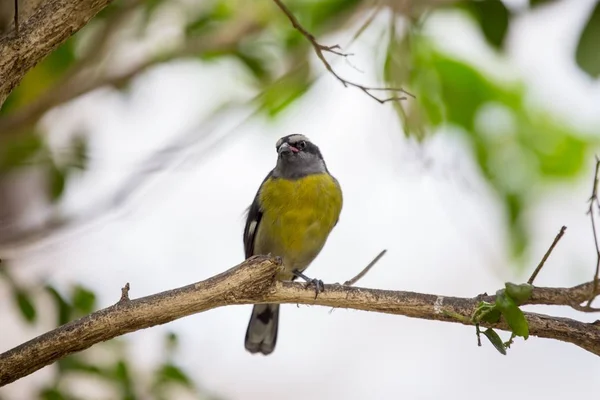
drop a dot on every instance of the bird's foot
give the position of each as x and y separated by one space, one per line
317 283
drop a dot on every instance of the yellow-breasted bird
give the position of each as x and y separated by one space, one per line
296 207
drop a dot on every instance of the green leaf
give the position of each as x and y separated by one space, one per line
51 394
491 316
495 340
255 64
173 374
123 376
18 151
199 25
519 293
535 3
83 299
64 308
512 314
283 92
493 18
73 363
57 180
25 305
587 54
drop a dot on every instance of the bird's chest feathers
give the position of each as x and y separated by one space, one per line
302 210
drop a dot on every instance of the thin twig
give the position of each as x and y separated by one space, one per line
365 269
320 49
541 264
594 199
17 17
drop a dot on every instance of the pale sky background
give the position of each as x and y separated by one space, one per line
427 205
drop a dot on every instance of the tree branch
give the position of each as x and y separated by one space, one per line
335 49
52 23
253 282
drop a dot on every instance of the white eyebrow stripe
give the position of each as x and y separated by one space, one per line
298 138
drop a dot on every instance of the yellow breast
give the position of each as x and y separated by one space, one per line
298 216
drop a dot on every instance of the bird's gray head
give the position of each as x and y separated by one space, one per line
298 157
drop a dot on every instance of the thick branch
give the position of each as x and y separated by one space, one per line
53 22
253 282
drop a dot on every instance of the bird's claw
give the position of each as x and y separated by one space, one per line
318 284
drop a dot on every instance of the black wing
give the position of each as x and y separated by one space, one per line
252 221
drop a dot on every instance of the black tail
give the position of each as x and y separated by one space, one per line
261 335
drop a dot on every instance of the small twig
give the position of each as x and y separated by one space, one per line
594 199
541 264
365 269
124 293
319 49
510 341
17 17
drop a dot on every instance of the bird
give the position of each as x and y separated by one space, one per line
293 212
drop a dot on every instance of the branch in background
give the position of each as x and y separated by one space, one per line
120 201
594 201
320 49
253 282
77 82
53 22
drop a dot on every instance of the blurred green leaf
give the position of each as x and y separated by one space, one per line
535 145
199 25
535 3
123 376
84 300
169 373
150 7
518 234
512 314
80 152
73 363
493 18
280 94
57 180
495 340
52 394
255 64
202 23
321 16
587 54
64 308
18 151
519 293
25 304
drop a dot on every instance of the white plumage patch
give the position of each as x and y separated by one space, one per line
252 228
292 139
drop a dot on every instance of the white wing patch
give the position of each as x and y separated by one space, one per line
252 228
